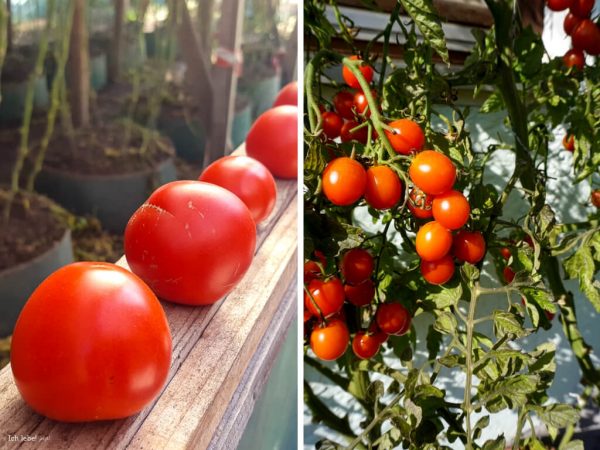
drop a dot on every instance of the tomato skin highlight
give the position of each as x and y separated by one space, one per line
344 181
451 209
360 294
393 318
574 58
288 95
361 135
332 124
92 343
558 5
432 172
384 188
357 265
273 140
192 242
361 103
469 246
438 272
569 142
407 137
571 21
420 204
329 342
351 80
328 296
433 241
586 36
247 178
343 103
365 346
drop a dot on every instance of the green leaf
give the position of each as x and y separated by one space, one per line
434 342
509 392
558 415
508 323
481 424
574 445
429 24
441 297
452 360
581 266
445 322
495 444
492 104
469 272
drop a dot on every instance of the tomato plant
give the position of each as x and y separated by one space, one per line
451 246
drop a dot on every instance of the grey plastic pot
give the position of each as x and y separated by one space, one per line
17 283
111 198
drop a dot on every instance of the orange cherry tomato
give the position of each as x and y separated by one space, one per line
384 188
420 204
351 80
438 272
569 142
469 246
407 136
433 241
357 265
432 172
329 341
364 345
327 295
393 318
344 181
595 197
451 209
360 294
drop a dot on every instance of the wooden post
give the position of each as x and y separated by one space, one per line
9 31
225 80
79 67
205 15
117 40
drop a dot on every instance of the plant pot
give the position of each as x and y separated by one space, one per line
17 283
189 138
242 121
12 106
98 71
263 92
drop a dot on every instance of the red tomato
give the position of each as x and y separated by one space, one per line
451 209
273 140
343 102
288 95
192 242
361 103
433 241
307 316
351 80
360 294
420 204
586 36
407 136
569 142
509 274
364 345
329 341
574 58
596 198
571 21
374 330
248 179
332 124
328 296
505 252
558 5
438 272
321 257
361 135
432 172
469 246
92 343
311 271
582 8
357 265
384 188
393 318
344 181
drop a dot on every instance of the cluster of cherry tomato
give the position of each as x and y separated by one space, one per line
92 331
585 34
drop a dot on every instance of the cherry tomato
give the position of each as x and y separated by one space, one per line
469 246
574 58
374 330
596 198
307 315
321 257
393 318
311 271
505 252
344 181
350 79
407 136
586 36
438 272
343 103
360 294
273 140
451 209
432 172
361 135
582 8
384 188
361 103
420 204
329 341
247 178
558 5
92 343
332 124
433 241
571 21
364 345
509 274
288 95
569 142
192 242
357 265
328 296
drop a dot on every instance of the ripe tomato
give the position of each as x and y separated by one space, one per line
438 272
361 103
420 203
558 5
364 345
311 271
192 242
508 274
357 265
344 181
329 341
586 36
374 330
247 178
432 172
350 79
360 294
571 21
407 136
361 135
328 296
393 318
433 241
332 124
288 95
343 102
596 198
92 343
569 142
451 209
307 315
384 188
582 8
505 252
469 246
273 140
574 58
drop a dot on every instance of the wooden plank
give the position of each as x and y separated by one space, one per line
79 67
